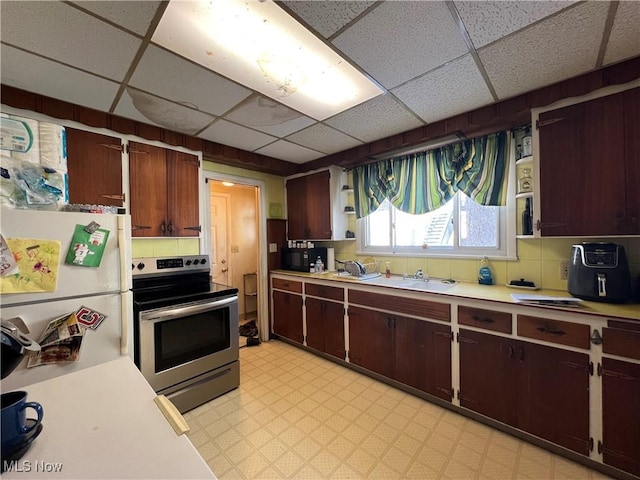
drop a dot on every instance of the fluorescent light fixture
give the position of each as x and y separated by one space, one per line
227 184
259 45
421 147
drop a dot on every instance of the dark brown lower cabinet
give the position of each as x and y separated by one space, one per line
621 415
487 375
423 356
541 390
370 340
412 351
287 315
325 326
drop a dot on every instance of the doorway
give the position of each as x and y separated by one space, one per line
234 243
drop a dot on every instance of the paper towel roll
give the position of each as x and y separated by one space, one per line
331 260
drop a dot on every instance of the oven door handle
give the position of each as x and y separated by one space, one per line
181 311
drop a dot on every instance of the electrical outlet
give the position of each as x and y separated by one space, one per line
564 270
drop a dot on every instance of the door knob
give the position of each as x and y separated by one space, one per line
224 270
223 261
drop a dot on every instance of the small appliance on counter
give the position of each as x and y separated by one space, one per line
599 272
300 259
16 345
18 431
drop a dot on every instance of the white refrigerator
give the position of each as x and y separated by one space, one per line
105 289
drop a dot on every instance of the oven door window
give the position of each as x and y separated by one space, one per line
185 339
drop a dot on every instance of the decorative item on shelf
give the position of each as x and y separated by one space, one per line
518 152
350 234
346 187
349 209
527 218
526 143
525 182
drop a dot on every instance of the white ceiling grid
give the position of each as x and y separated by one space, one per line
435 59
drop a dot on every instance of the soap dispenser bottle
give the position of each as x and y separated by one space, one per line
485 276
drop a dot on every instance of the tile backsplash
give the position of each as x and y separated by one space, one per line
539 260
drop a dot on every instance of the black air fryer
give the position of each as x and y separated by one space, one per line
599 272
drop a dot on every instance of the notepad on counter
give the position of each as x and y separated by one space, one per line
546 300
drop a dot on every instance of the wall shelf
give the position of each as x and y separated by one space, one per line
250 295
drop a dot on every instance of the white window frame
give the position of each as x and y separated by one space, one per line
507 245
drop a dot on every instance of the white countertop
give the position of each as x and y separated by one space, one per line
102 422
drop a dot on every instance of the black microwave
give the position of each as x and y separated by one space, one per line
300 259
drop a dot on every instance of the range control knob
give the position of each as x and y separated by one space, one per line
140 266
196 261
203 261
188 262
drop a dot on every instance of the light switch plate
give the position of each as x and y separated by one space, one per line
235 249
273 248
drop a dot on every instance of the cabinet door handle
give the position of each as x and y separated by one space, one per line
521 354
170 227
510 354
551 330
113 196
139 227
483 319
163 227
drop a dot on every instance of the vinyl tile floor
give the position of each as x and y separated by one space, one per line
296 415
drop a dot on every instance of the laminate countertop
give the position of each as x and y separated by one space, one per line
475 291
102 422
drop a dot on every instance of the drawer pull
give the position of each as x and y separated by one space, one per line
551 330
510 354
483 319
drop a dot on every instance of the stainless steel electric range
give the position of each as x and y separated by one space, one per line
185 329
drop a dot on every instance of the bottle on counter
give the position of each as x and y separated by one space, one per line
485 276
387 272
319 265
312 268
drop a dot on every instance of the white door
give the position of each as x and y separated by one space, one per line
220 239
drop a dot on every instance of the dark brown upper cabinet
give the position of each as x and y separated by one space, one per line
94 166
589 160
164 192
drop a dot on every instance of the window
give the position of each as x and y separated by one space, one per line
460 228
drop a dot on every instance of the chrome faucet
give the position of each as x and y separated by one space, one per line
420 274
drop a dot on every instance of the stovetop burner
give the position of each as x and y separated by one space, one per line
159 282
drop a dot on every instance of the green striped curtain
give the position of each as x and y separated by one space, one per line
425 181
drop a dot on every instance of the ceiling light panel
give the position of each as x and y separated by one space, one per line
259 45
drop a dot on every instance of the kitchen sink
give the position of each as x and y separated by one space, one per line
431 285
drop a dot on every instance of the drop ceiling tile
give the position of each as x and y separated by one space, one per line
170 76
323 139
488 21
146 108
64 33
555 49
269 116
135 16
401 40
39 75
327 17
454 88
228 133
289 152
380 117
624 41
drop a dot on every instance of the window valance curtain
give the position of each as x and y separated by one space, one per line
425 181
